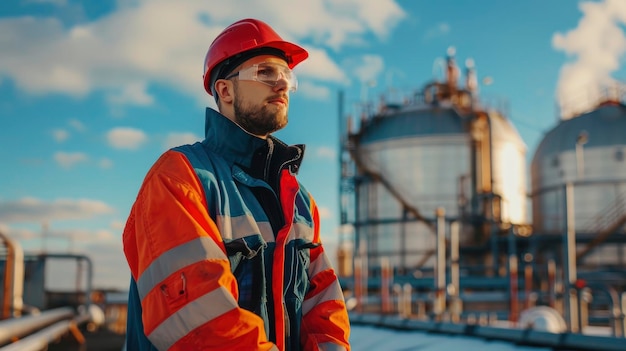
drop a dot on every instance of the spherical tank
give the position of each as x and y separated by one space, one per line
432 156
588 152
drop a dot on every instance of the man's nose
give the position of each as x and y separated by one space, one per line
282 82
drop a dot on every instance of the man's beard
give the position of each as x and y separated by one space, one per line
258 120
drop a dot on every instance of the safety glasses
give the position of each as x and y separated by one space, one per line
268 73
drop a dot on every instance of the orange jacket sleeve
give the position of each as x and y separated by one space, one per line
177 257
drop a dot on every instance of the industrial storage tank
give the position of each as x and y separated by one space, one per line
441 149
586 153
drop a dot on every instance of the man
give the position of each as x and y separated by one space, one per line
222 241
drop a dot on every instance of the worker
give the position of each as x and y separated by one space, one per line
223 242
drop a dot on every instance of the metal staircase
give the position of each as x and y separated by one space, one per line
606 223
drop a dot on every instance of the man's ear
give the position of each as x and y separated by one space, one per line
224 89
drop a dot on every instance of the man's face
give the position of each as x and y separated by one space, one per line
259 108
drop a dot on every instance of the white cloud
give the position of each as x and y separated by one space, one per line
126 138
596 45
53 2
325 213
69 159
164 42
320 67
368 67
34 210
60 135
105 163
118 225
326 152
177 139
77 125
439 30
313 90
133 93
20 234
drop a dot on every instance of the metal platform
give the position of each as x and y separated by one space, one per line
379 332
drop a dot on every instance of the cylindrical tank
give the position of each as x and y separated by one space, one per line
589 152
430 156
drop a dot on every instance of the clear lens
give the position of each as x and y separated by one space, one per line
269 73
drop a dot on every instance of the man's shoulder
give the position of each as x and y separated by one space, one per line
171 161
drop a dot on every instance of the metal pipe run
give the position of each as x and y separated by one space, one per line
41 339
13 281
18 327
440 267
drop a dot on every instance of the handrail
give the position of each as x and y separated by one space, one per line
590 97
606 223
609 214
377 176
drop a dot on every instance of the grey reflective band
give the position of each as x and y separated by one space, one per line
329 346
176 258
300 230
190 317
243 226
331 293
320 264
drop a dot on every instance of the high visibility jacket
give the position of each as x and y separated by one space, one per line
224 250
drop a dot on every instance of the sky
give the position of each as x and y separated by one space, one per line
92 92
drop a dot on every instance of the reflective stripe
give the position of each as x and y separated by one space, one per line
331 293
240 226
300 230
329 346
190 317
320 264
176 258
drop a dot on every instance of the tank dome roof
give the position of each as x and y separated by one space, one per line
604 126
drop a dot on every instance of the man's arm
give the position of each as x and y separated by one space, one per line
325 325
176 255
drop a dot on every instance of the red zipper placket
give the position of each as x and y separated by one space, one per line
288 190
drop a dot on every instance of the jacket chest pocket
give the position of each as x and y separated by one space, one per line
247 256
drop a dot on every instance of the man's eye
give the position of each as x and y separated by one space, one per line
267 72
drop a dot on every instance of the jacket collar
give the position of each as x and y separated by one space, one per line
237 146
229 140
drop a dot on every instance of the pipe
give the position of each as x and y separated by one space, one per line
513 288
440 267
13 284
528 284
569 252
358 283
552 290
41 339
455 280
622 317
385 286
18 327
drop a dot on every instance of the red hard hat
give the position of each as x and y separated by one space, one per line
242 37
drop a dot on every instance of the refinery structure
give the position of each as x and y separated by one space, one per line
442 219
444 228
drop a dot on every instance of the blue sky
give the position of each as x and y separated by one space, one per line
92 92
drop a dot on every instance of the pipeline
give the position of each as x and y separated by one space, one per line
18 327
41 339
